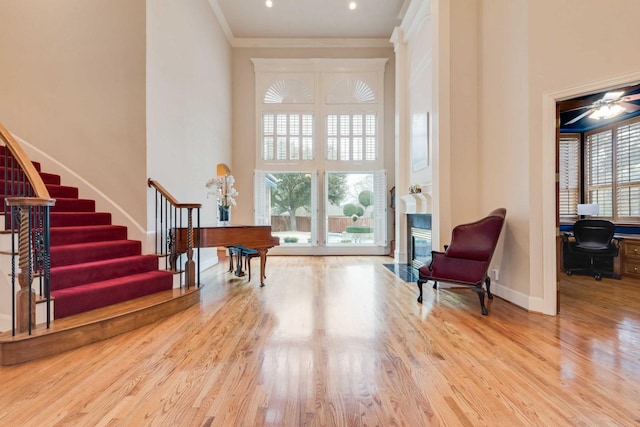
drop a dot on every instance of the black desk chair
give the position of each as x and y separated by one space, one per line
593 249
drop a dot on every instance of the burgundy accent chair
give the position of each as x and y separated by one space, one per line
466 259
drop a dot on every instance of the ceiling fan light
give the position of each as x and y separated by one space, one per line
607 111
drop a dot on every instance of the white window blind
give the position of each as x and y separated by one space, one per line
569 168
380 207
287 136
262 205
351 137
599 171
612 170
628 170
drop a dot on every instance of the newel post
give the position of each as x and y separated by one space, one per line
26 296
190 266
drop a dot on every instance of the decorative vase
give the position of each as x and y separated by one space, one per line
224 213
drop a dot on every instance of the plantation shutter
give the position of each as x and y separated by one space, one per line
628 171
262 214
569 188
314 208
380 207
599 171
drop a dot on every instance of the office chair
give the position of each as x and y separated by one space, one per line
593 250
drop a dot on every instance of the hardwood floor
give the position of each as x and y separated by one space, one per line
340 341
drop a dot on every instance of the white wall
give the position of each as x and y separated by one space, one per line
188 101
72 79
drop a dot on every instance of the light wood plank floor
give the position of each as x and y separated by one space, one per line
340 341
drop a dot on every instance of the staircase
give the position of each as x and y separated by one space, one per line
93 263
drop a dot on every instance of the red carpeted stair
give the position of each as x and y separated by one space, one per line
93 264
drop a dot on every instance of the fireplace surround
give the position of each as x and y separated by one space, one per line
418 239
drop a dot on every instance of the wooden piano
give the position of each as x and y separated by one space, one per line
256 237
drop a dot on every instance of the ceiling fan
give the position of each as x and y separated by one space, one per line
611 104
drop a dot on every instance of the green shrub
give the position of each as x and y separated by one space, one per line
365 198
291 240
351 209
358 229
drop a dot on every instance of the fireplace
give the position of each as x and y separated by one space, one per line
418 239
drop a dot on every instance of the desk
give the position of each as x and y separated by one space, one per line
630 253
256 237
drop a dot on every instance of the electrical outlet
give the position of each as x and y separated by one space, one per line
496 274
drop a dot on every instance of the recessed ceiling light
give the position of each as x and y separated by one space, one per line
268 3
352 5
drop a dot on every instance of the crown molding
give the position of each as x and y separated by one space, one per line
224 25
417 12
310 43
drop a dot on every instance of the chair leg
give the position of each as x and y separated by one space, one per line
480 291
420 282
487 283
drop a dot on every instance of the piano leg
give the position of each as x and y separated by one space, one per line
239 272
263 263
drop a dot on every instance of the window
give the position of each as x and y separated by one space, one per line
318 126
612 170
351 137
287 136
569 188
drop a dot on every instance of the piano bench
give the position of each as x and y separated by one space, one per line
242 254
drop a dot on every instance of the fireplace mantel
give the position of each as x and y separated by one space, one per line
416 203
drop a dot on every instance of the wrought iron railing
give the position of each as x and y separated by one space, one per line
171 215
26 210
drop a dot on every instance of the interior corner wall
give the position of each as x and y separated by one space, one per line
72 79
504 117
465 166
457 167
244 129
188 101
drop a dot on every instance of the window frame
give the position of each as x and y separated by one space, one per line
616 185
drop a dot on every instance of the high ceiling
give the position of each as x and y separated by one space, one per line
311 18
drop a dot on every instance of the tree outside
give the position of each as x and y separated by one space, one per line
292 196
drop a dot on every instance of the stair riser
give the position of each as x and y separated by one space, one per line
3 162
73 219
83 298
72 235
77 254
81 274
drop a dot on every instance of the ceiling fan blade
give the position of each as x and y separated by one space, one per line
629 107
631 97
586 113
578 108
612 96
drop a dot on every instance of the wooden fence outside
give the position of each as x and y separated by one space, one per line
337 224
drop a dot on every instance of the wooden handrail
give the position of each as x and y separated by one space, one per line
170 198
39 188
190 265
30 207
